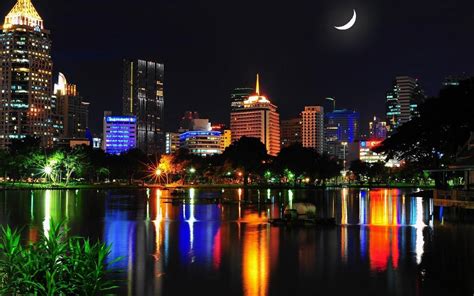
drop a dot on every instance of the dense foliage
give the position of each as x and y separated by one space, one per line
244 161
55 265
432 140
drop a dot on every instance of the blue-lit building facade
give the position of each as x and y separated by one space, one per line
202 143
342 125
341 131
120 134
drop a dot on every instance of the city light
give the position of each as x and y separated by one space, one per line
48 170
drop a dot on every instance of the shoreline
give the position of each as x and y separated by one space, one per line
41 186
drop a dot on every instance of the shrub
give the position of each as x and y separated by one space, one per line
55 265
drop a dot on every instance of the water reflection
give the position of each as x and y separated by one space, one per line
255 260
381 213
171 248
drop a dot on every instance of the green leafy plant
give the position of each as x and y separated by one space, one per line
55 265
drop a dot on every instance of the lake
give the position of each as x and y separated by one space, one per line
385 242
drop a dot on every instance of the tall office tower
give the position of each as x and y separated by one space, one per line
239 95
377 129
26 76
257 118
186 122
342 125
71 108
290 131
312 131
402 101
341 133
143 97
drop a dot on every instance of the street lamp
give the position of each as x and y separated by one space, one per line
344 145
158 172
333 103
192 170
48 170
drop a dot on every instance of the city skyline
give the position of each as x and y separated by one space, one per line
306 75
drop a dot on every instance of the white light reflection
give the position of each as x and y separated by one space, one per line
290 198
419 225
47 212
191 220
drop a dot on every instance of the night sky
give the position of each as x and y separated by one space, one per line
210 47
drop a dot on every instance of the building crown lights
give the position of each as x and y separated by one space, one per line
257 98
23 13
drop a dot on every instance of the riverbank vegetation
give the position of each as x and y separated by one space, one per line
54 265
245 162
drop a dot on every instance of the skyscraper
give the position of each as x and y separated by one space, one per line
186 122
143 97
340 133
377 129
239 95
290 131
71 108
342 125
257 118
26 76
402 101
313 128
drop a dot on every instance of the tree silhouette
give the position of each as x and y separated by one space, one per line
246 154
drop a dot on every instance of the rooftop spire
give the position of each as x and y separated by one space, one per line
23 13
257 87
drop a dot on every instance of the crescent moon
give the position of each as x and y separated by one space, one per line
349 24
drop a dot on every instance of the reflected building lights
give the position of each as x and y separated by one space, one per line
420 225
47 212
255 261
290 198
344 224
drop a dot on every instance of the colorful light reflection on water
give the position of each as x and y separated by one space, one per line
230 248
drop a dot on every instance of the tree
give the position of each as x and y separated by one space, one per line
246 154
165 167
296 159
433 139
327 167
359 168
73 161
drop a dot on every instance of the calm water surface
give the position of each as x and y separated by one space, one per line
385 243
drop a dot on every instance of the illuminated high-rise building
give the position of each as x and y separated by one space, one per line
143 97
377 129
26 76
257 118
70 108
290 131
342 125
403 100
239 95
341 131
312 128
119 133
